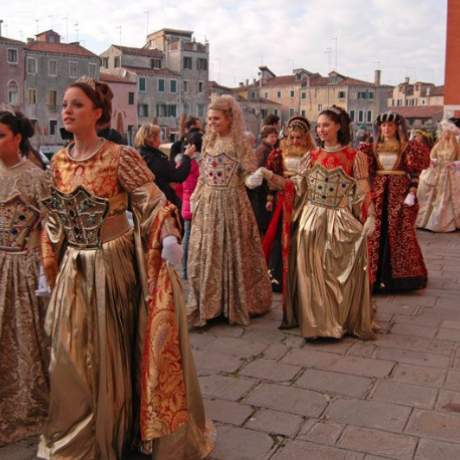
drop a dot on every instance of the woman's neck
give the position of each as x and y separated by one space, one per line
85 146
13 161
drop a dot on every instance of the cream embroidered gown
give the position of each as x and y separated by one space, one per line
439 192
23 343
227 270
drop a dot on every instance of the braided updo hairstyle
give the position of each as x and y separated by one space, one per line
100 94
19 124
340 116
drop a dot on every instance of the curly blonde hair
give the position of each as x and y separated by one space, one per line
230 108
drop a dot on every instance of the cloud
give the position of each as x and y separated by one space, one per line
402 37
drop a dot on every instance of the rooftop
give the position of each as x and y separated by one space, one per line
74 49
147 52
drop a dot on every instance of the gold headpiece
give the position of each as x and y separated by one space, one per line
89 81
299 122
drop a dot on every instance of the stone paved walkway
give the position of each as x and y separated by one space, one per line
275 397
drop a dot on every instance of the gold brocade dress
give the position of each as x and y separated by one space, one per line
115 317
438 192
226 267
24 348
328 289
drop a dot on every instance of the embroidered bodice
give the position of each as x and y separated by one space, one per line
219 170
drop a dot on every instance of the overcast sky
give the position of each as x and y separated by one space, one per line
402 37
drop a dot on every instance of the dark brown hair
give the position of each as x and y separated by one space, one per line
267 130
19 124
101 97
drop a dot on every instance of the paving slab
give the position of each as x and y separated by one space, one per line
436 450
300 450
236 347
338 363
227 388
265 369
437 425
400 393
275 422
208 361
414 330
443 347
242 444
323 432
227 412
413 357
449 334
362 349
448 401
378 442
275 351
17 452
420 375
369 414
453 380
334 383
287 399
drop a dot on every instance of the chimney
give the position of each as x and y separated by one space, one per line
406 80
241 83
247 82
377 77
308 80
428 91
30 40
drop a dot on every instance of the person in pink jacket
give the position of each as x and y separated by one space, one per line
187 188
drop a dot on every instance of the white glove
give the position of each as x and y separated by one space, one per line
268 175
172 251
43 288
254 180
369 226
410 199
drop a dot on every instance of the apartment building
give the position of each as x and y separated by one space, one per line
50 67
12 72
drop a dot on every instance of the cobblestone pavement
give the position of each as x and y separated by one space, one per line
274 396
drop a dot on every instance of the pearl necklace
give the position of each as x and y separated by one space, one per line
87 157
333 148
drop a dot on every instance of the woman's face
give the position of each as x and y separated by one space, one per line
327 130
271 139
155 140
9 145
388 129
446 135
218 122
419 138
295 138
78 112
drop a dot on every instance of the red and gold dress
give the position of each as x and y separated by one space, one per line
116 311
328 289
277 240
24 348
396 259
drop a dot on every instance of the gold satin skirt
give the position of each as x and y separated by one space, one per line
23 348
328 293
91 320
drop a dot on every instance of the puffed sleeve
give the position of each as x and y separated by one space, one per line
52 236
362 204
416 159
368 151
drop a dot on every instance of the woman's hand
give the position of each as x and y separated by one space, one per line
172 251
269 206
190 150
369 226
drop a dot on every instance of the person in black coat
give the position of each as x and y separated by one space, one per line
147 140
192 125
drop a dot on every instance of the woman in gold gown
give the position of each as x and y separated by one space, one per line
116 308
23 345
226 268
438 192
328 289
